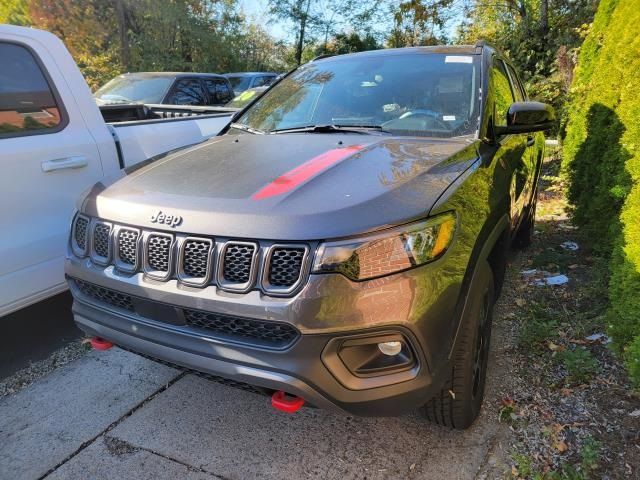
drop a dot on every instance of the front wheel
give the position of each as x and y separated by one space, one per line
458 403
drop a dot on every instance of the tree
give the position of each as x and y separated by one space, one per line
297 12
313 19
418 22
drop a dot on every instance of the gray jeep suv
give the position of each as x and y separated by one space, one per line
341 243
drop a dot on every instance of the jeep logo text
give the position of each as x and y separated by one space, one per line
172 220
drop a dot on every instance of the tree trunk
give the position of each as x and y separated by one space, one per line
544 16
123 33
303 24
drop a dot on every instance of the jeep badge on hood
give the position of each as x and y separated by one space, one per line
172 220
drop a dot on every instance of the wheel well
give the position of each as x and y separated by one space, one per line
497 260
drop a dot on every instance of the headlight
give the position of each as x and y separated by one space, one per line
387 252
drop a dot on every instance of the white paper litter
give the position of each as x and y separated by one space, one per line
569 245
635 413
554 280
529 272
598 336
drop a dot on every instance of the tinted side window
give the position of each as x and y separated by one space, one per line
187 91
262 81
502 95
27 103
518 90
219 91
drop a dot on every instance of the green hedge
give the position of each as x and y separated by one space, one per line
602 161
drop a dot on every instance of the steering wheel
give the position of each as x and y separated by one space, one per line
428 114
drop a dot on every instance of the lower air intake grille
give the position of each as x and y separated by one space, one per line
80 232
128 246
285 266
238 258
105 295
196 258
159 249
268 333
214 378
101 240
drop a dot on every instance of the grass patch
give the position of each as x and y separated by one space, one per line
538 327
581 365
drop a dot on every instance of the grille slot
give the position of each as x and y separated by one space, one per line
285 266
101 242
128 248
195 259
238 260
80 233
159 252
105 295
274 334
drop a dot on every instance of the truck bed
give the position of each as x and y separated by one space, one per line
146 131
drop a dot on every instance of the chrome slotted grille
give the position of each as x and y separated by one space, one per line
285 266
238 260
80 232
159 252
196 258
128 246
239 266
101 237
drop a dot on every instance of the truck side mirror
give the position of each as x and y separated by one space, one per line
527 117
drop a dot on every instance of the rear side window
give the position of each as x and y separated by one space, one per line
502 94
219 91
27 102
187 91
517 87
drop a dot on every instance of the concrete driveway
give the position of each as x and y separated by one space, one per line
116 415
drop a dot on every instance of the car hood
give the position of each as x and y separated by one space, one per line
292 186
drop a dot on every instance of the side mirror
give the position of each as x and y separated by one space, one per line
527 117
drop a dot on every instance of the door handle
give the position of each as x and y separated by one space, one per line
530 141
64 163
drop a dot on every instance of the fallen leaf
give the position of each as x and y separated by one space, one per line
565 392
555 347
561 446
520 302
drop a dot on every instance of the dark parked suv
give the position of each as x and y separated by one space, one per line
341 243
169 88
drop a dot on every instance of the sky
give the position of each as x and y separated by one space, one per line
258 10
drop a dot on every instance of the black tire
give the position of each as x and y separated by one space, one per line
458 403
524 235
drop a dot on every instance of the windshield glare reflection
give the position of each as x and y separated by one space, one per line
413 94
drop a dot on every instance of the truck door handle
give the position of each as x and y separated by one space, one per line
64 163
530 141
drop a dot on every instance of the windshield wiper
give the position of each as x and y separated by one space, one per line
331 129
247 128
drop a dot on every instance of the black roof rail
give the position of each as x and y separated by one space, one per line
324 55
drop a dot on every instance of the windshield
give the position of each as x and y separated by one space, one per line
413 94
239 84
132 89
245 97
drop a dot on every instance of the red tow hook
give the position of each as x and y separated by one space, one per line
100 343
286 403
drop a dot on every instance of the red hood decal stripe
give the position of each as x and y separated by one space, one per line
290 180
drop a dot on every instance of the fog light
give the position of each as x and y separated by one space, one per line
390 348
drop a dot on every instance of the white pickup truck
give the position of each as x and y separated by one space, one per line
54 144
